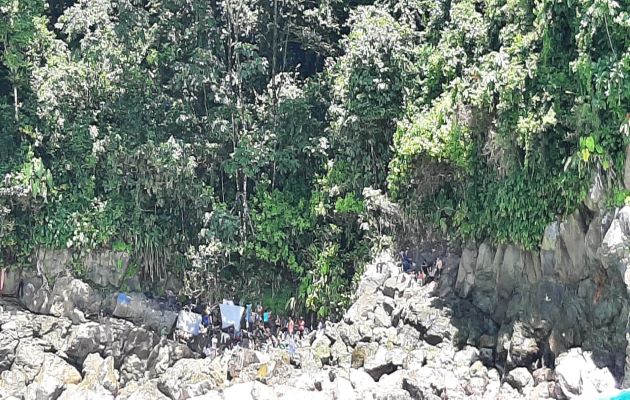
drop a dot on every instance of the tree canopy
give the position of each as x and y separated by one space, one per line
254 145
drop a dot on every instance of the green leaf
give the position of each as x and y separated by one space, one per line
589 143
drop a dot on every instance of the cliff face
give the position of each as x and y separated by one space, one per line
399 340
572 292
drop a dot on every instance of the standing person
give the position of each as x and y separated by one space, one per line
206 319
439 264
407 262
301 327
248 317
266 318
277 324
291 325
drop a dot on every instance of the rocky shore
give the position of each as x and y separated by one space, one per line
399 340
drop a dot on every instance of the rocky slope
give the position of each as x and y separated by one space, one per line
398 341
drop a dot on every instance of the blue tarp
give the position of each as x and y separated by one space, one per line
123 299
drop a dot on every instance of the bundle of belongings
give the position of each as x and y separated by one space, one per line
199 333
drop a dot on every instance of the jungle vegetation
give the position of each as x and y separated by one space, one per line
267 147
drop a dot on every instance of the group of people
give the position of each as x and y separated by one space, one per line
428 271
259 328
263 321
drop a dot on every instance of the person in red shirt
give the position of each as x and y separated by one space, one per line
290 327
301 327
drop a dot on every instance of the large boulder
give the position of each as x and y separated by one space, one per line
466 272
578 375
12 278
189 378
520 379
422 383
141 391
249 391
53 262
74 392
12 383
35 295
8 345
596 196
106 268
92 337
136 308
381 363
69 294
55 368
570 251
511 271
614 251
99 372
29 357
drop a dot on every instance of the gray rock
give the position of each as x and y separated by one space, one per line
189 378
12 278
420 383
467 265
141 391
577 374
8 346
99 372
143 311
48 388
361 380
12 383
544 390
626 169
519 378
74 392
54 374
362 308
543 375
511 271
595 198
132 369
53 262
487 341
321 345
344 390
249 391
379 364
570 251
29 358
69 294
466 357
486 356
382 318
36 295
524 348
106 268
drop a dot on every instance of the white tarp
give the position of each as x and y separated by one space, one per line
231 315
189 322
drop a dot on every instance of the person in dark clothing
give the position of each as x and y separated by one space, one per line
424 267
407 262
206 318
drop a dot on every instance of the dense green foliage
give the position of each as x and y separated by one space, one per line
232 142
